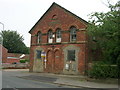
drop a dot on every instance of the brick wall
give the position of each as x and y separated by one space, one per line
4 54
18 55
15 57
13 60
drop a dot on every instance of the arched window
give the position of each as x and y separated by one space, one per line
58 35
50 36
39 37
73 35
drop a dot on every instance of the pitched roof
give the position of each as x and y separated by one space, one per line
63 9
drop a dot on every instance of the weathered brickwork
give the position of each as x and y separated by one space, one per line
57 53
4 54
13 60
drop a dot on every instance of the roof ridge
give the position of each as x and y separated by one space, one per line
70 12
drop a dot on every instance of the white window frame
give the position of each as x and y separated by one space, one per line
50 36
39 34
73 33
58 35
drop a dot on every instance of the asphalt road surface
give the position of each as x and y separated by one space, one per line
13 79
17 80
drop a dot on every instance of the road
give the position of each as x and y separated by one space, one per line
21 79
13 79
17 80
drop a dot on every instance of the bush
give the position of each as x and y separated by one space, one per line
24 61
114 71
27 60
103 70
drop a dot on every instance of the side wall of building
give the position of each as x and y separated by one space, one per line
4 54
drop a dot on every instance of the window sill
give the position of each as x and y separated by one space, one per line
56 43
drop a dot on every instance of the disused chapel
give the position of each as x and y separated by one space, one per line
58 42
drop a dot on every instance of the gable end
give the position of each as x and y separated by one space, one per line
82 20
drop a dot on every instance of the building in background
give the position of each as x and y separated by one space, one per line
12 57
4 53
16 57
59 42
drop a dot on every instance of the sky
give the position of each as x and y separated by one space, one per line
21 15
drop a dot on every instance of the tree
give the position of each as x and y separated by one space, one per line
104 32
104 38
1 39
14 42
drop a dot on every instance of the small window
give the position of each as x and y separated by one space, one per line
54 17
58 35
50 36
38 54
73 36
39 37
71 55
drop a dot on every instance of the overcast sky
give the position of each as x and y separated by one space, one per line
21 15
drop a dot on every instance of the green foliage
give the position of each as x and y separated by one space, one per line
24 61
27 60
104 33
14 42
1 39
103 70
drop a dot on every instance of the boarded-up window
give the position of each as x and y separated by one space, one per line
38 54
71 55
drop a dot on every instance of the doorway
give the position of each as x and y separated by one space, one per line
71 59
49 61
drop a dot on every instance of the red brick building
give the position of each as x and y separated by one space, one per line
11 57
12 60
58 42
3 53
16 57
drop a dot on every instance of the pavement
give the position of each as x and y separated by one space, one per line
70 80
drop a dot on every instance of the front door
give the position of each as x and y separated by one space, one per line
57 62
49 62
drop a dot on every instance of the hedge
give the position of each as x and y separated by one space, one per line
101 70
24 61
